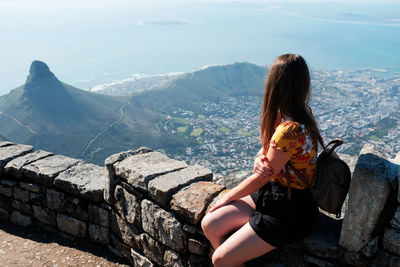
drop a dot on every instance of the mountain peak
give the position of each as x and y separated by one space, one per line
39 72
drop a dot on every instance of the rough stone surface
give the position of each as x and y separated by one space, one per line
5 143
10 152
122 248
395 222
164 186
111 178
37 199
14 166
191 202
162 225
369 190
127 205
98 215
31 187
21 194
4 215
8 182
140 260
394 262
139 169
6 190
189 228
152 249
18 218
71 225
44 215
197 247
84 180
76 210
318 262
196 260
45 170
371 249
5 203
172 259
381 259
323 239
355 258
21 206
126 231
391 240
99 234
55 199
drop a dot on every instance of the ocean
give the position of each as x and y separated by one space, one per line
88 45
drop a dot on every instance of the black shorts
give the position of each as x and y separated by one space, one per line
278 220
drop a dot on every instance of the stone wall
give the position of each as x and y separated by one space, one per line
147 208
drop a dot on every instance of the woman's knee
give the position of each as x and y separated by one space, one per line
220 258
207 222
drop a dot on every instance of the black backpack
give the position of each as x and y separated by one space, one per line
332 181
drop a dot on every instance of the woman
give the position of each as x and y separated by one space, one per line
258 215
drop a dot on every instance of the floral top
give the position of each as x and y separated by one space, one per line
293 138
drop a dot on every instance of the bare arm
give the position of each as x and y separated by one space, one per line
275 159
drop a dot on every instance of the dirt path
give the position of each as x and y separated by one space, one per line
21 246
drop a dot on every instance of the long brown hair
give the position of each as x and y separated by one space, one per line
287 91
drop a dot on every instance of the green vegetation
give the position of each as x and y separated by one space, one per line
180 120
382 128
200 116
182 130
224 129
246 133
196 132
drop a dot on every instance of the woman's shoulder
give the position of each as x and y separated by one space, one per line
290 128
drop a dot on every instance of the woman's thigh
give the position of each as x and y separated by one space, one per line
240 247
228 218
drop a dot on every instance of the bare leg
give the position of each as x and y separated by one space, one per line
217 224
240 247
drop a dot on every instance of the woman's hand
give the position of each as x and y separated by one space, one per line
261 168
224 200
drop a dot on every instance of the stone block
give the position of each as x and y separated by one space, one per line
44 171
122 248
323 239
78 211
18 218
55 199
99 234
111 178
5 203
196 260
36 188
83 180
152 249
14 166
10 152
164 186
140 260
381 258
371 249
21 194
395 221
38 199
394 262
391 240
197 247
189 228
126 231
6 190
5 143
99 215
318 262
127 205
4 215
355 258
191 202
44 215
22 206
71 225
162 225
139 169
369 190
172 259
9 183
